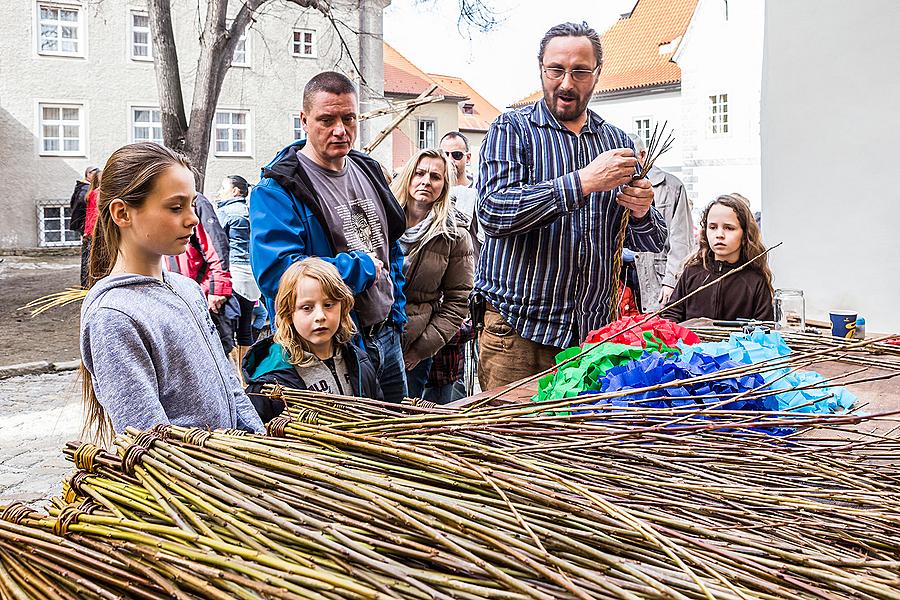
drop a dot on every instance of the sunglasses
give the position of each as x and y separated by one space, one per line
456 154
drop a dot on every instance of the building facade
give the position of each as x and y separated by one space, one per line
77 81
462 109
721 69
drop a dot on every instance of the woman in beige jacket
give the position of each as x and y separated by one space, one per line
439 264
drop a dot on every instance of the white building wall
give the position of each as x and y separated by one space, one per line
108 82
829 117
658 107
722 55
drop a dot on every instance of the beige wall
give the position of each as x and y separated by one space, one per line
107 83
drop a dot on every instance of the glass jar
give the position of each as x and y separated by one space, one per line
790 310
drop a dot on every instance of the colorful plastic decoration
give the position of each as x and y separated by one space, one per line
662 332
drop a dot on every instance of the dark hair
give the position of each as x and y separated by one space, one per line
456 134
240 183
327 81
129 175
572 30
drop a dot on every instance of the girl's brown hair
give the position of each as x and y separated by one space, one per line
129 175
751 239
298 350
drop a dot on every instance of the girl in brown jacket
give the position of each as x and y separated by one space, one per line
439 265
729 237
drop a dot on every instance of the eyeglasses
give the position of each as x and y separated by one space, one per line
556 73
456 154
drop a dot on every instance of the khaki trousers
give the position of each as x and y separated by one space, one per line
505 356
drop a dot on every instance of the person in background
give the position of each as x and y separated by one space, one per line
319 197
149 350
670 199
234 216
729 239
445 381
556 180
77 215
206 261
439 262
311 348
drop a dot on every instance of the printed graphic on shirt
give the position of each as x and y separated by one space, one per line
362 227
328 377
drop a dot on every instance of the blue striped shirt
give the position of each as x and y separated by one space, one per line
546 264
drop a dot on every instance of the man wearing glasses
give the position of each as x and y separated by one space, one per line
555 179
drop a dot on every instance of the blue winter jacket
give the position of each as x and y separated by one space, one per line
286 225
234 217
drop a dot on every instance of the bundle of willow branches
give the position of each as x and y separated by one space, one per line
349 498
658 146
875 354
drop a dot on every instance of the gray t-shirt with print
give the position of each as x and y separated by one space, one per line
330 376
354 215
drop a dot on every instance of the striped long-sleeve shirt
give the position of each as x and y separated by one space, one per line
546 264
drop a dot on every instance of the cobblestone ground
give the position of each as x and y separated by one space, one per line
38 415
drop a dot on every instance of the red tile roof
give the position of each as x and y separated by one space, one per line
631 48
483 112
632 57
404 78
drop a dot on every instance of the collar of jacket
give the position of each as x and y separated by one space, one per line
542 117
462 222
289 173
232 200
656 176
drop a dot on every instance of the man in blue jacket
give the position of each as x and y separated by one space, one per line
319 197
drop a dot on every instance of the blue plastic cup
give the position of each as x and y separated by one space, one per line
843 323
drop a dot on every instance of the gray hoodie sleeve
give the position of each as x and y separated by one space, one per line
122 370
247 417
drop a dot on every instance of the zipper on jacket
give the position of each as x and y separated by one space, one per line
205 338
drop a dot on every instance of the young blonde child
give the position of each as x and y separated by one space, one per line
729 237
149 349
311 348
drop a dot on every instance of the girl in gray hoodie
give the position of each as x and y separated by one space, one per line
150 351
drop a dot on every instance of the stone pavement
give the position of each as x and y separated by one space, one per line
38 415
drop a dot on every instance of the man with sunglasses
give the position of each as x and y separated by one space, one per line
555 180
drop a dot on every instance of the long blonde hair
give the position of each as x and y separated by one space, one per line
297 348
444 215
129 175
751 240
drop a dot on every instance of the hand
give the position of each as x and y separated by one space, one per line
637 197
410 364
665 292
215 303
608 171
379 266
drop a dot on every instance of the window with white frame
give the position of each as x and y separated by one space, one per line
232 133
426 133
62 129
299 134
241 56
642 129
718 114
146 124
53 224
60 29
304 43
141 45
